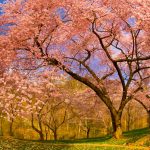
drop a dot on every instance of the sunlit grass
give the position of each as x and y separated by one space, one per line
103 143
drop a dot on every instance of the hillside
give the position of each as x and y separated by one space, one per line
136 139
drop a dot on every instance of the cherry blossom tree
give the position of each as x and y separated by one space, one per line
38 95
58 113
89 118
11 102
89 111
92 41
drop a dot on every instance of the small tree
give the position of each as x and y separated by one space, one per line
57 115
12 103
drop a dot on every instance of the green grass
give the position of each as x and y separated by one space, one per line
131 140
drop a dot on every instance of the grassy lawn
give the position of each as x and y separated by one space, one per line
136 140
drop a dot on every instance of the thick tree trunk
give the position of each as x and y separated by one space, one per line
113 122
116 124
118 129
41 136
102 94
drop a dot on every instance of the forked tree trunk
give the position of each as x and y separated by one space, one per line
41 135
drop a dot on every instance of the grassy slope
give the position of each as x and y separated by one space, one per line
136 139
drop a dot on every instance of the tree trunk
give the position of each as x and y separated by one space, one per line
128 125
118 130
128 117
88 133
41 129
148 119
55 134
11 127
36 129
102 94
116 124
1 121
46 136
41 136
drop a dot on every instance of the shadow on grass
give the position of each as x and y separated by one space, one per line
129 137
8 143
75 141
90 140
135 135
137 132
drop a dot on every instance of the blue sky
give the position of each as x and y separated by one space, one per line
0 7
1 1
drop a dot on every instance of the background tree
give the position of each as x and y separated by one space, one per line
12 103
144 100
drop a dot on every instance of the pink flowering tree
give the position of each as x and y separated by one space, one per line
11 101
91 41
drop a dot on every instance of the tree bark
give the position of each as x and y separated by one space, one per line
88 133
41 129
128 118
103 95
148 119
116 124
41 136
1 121
11 127
36 129
55 134
46 134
